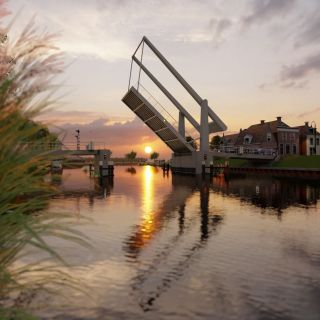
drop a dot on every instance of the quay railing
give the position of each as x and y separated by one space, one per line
241 150
86 145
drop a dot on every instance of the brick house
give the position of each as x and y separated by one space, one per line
275 135
309 140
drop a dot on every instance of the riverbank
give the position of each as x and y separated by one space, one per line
296 173
298 167
289 162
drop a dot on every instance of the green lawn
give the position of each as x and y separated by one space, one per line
298 162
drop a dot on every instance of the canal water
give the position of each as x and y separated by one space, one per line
177 247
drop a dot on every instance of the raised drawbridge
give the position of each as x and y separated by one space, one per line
185 156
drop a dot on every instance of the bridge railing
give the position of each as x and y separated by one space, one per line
241 150
44 145
86 145
162 110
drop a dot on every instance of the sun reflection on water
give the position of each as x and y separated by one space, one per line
148 191
147 224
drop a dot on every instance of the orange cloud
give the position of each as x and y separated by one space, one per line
120 136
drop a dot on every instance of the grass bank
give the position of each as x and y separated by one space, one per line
304 162
297 162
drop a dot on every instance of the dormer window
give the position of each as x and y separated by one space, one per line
247 139
269 136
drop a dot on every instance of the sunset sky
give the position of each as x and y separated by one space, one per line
252 60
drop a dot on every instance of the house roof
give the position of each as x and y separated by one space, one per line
230 138
259 131
269 126
305 130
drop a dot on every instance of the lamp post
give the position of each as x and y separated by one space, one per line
314 127
78 139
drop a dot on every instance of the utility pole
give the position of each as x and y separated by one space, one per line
78 139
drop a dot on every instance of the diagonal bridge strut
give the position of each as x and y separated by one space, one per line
175 139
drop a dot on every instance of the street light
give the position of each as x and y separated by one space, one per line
78 139
314 127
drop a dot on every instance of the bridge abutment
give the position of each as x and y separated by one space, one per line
191 163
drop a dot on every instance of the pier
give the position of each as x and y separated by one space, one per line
102 165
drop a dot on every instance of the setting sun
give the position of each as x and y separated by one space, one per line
148 149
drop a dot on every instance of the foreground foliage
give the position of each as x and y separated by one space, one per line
28 64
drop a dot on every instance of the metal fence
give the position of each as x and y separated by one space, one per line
244 150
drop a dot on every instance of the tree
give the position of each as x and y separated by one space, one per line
131 155
192 142
215 142
154 155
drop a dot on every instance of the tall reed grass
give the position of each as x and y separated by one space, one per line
27 67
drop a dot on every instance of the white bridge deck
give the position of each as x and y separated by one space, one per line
156 122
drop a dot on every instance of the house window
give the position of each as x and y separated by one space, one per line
269 136
311 141
294 149
318 141
287 148
286 136
247 139
292 136
281 148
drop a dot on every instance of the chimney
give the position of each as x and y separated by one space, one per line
307 124
262 121
279 119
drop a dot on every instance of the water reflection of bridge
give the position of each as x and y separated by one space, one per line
187 232
172 208
270 193
81 185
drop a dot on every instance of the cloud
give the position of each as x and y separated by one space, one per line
294 84
60 118
119 137
218 29
110 30
302 70
310 33
265 10
296 76
309 112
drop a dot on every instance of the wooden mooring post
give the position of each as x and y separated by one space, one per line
212 169
203 169
166 167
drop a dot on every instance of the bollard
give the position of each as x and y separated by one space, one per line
100 167
110 168
203 168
